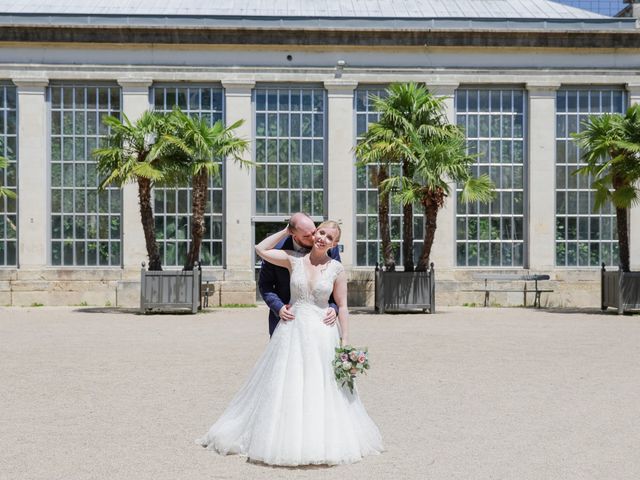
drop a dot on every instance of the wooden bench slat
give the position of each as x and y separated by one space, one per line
510 276
506 277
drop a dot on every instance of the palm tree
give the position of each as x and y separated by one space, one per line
406 108
132 154
437 161
198 146
611 149
4 191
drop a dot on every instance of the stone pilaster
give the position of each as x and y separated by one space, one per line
33 184
444 244
634 213
135 100
238 242
541 175
340 162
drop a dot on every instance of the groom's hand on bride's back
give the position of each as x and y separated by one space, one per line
330 316
285 313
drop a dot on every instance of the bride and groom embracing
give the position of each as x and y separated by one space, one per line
291 411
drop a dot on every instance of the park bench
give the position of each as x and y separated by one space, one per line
492 284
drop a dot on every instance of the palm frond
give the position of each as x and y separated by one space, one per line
610 145
147 170
5 192
625 196
478 189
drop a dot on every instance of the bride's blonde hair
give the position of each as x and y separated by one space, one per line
331 224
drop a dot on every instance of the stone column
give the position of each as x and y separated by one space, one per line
239 285
33 184
634 213
135 100
541 176
340 163
443 251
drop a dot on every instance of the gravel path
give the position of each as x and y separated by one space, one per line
467 393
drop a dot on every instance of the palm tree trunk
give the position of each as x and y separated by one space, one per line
200 183
407 224
383 222
623 238
148 225
622 224
431 203
407 237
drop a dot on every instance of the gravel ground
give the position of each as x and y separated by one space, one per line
467 393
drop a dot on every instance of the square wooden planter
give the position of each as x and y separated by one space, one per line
405 291
620 290
170 290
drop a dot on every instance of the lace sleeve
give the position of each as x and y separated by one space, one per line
294 258
338 268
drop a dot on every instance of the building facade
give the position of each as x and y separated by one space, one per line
518 76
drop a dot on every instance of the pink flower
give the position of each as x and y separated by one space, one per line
344 357
361 358
353 355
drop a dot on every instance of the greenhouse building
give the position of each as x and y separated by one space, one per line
518 76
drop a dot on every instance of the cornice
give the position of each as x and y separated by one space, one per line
135 82
30 82
325 36
238 87
340 87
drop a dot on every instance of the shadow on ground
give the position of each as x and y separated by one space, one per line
585 311
371 311
136 311
109 310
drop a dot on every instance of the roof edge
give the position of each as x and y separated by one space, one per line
192 21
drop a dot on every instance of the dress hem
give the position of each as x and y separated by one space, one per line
261 461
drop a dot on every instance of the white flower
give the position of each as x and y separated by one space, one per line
346 365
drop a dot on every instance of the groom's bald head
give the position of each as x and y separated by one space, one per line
302 229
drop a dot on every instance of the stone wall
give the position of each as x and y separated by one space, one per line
58 287
572 288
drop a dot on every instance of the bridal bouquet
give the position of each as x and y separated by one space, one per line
348 363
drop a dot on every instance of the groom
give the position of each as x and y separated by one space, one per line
274 281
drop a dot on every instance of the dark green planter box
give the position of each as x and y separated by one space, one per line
170 290
620 290
405 291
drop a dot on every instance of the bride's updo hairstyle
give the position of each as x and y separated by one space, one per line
331 224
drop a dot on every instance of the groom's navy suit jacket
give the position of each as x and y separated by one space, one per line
274 283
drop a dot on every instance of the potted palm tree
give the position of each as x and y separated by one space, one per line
433 154
168 150
611 149
140 152
405 108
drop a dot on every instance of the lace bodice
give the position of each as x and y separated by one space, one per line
302 291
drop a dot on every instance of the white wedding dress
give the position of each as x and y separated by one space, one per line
291 411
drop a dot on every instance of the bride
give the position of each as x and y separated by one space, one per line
291 410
